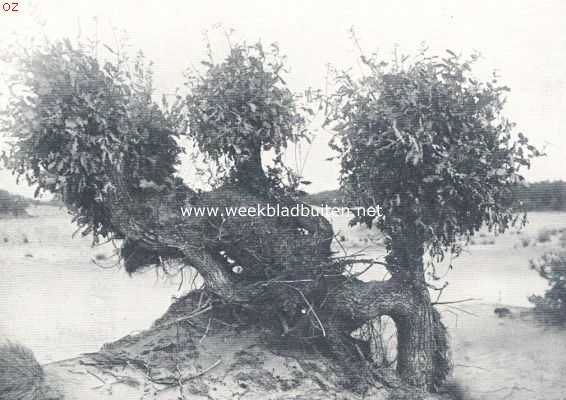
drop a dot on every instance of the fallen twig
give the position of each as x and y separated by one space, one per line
206 331
97 377
182 380
471 366
465 311
311 309
437 303
181 319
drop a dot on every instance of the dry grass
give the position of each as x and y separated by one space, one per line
21 376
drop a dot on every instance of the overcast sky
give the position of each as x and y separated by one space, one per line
523 40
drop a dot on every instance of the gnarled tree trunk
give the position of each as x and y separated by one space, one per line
415 337
422 354
288 272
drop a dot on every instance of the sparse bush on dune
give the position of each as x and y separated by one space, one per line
12 205
545 235
551 307
21 376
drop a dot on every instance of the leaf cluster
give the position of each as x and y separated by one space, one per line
428 142
75 123
241 106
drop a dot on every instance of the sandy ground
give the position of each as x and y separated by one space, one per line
56 301
205 359
506 358
495 358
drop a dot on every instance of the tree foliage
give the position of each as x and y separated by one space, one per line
242 106
428 142
423 140
74 121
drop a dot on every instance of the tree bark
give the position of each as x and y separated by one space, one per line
341 304
421 340
421 337
415 338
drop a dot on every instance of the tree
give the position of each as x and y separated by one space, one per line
427 141
92 133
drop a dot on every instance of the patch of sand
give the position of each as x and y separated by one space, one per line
506 358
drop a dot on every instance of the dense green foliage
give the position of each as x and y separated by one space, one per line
74 122
427 141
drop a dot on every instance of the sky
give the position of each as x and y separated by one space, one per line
523 40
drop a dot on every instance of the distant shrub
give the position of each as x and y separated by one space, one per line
331 198
545 235
536 196
21 376
541 196
525 242
552 306
12 205
502 312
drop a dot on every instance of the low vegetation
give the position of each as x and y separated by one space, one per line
551 307
21 376
545 235
12 205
